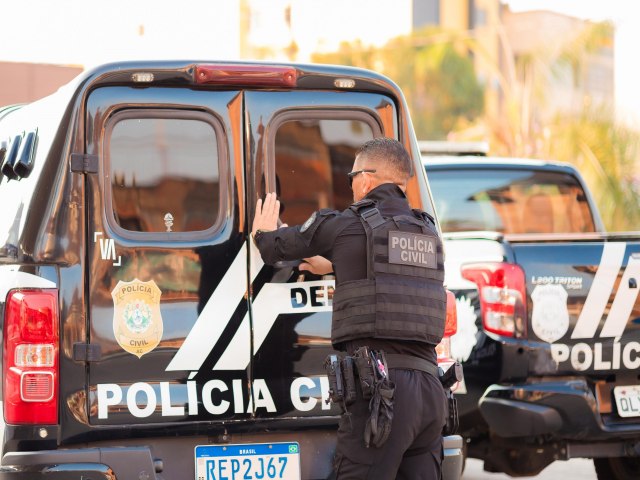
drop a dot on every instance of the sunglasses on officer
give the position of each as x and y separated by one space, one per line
356 172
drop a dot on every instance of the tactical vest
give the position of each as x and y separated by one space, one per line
403 297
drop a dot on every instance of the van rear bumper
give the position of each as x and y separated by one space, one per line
566 409
79 464
137 462
70 471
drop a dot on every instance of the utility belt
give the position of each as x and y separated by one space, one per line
370 370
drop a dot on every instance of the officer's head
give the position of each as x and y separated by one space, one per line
378 161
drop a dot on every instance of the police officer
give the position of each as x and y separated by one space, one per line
389 297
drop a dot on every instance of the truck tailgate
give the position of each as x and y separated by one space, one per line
583 303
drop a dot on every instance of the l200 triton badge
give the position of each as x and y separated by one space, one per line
137 321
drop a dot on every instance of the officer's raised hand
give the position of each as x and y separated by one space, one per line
267 212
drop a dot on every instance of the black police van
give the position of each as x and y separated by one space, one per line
143 336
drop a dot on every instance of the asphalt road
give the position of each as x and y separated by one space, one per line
575 469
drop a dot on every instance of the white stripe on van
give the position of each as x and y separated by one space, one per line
274 299
214 317
601 288
624 302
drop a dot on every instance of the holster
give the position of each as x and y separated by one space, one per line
451 427
334 375
448 379
342 382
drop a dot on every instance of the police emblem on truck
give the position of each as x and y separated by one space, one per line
137 322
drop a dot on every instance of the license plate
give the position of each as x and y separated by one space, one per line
628 400
261 461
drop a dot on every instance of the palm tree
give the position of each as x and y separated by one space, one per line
606 153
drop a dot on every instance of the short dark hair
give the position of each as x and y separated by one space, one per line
389 151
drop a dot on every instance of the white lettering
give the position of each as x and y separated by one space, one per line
207 401
296 398
107 249
560 352
142 398
169 410
238 397
263 396
192 396
150 403
599 356
394 242
109 394
404 256
626 355
576 362
599 364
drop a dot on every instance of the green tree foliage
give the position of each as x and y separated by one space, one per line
439 82
606 154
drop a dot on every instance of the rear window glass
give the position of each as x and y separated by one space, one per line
510 201
164 174
318 149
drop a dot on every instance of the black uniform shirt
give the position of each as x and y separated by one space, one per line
341 238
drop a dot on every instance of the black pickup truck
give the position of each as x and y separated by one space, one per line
548 316
143 336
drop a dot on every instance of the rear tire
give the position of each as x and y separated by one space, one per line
617 468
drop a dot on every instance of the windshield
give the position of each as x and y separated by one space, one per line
510 201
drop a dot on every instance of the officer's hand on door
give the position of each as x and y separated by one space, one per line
317 265
266 217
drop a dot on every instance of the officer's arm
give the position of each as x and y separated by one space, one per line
315 237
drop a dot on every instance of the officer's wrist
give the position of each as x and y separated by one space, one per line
259 232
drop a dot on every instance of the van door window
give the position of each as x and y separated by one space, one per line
313 158
164 173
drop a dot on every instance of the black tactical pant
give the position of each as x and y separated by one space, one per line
414 448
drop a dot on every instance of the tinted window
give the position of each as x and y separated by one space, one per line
164 174
510 201
313 158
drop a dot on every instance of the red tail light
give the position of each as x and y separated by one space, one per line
31 357
259 75
443 349
502 292
451 322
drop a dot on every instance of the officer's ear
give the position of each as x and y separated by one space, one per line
368 183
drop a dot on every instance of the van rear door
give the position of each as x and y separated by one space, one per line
301 145
166 255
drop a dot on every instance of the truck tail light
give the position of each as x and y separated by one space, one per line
252 75
443 349
30 357
503 294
